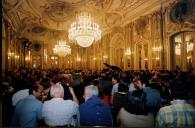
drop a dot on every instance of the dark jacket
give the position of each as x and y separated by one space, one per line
94 112
120 100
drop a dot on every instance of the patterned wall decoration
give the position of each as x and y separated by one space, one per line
113 19
58 11
141 23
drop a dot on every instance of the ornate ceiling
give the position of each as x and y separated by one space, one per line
45 20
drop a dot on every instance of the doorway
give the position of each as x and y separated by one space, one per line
142 56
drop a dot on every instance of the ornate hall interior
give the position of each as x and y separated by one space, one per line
129 34
96 63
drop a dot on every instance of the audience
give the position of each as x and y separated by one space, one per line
119 100
180 113
28 110
135 113
153 97
94 112
19 95
121 97
57 111
125 98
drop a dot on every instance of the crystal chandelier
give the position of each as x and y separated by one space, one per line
62 49
84 31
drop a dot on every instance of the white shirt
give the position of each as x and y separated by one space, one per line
114 88
59 112
19 95
132 87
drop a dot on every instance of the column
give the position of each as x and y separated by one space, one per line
3 49
142 58
7 64
184 54
135 58
193 56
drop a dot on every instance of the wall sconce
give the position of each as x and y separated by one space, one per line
78 59
156 49
157 58
27 58
17 57
128 52
105 56
11 54
52 58
145 59
94 58
188 57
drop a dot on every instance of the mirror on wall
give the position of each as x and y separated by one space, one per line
183 45
36 61
142 56
190 47
54 61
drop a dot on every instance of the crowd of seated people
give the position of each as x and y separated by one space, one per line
112 98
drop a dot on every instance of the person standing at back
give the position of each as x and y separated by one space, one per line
115 82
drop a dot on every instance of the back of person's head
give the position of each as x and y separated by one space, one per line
92 90
137 103
46 83
155 85
123 88
116 77
55 79
34 88
95 82
63 80
178 89
5 87
57 91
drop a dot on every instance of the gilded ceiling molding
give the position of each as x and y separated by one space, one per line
10 7
132 6
123 4
31 6
117 39
58 11
98 4
142 8
113 19
27 24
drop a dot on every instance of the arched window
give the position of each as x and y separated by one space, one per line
183 44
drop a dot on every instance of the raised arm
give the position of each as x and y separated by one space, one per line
73 95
